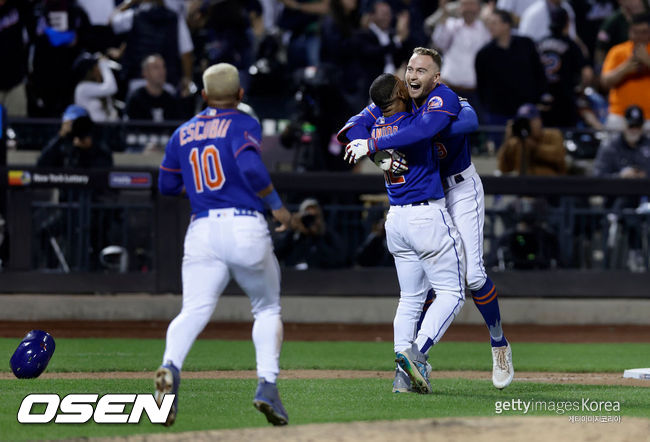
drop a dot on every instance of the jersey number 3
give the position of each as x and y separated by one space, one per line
206 168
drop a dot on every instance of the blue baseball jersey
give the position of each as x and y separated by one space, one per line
202 156
422 180
442 119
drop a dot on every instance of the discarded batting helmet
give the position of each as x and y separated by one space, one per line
32 355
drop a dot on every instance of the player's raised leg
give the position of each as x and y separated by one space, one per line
204 278
256 270
466 206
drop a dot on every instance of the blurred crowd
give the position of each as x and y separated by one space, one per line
528 67
142 59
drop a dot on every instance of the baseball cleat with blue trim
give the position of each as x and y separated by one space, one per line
414 363
267 401
167 379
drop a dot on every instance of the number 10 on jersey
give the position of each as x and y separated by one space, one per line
206 168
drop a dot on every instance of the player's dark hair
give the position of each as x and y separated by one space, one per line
505 16
431 53
82 127
381 90
559 20
640 18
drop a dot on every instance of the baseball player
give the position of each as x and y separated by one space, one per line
463 188
426 246
214 159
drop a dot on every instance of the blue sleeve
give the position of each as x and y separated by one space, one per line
359 125
170 179
252 168
466 123
439 111
246 149
249 137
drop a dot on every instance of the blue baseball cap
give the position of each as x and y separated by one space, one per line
528 110
73 112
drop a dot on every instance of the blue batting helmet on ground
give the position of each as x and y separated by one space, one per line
32 355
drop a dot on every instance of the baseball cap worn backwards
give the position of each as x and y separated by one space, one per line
73 112
634 116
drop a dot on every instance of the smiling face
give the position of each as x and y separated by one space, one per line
422 75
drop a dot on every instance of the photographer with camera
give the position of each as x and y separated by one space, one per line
310 244
531 149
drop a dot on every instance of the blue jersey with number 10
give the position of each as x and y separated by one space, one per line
204 152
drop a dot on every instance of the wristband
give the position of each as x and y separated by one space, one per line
372 145
273 200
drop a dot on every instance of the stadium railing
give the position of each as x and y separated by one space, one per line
56 245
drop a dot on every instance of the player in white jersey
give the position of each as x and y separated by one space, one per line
214 159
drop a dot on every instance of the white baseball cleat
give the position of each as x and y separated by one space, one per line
502 368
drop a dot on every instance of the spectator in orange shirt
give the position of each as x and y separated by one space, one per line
626 73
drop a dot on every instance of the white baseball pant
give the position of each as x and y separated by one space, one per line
466 205
219 246
428 253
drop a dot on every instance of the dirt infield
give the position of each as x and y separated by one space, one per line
328 332
526 376
502 429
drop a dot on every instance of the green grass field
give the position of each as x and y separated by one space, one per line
227 403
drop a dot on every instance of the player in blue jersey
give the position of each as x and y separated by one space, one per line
214 158
421 237
463 188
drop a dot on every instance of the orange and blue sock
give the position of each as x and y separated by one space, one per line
487 302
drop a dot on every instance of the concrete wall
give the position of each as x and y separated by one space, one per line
359 310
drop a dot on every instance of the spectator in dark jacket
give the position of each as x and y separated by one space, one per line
76 147
625 155
59 37
311 244
509 72
566 68
152 101
15 16
340 49
150 28
382 47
